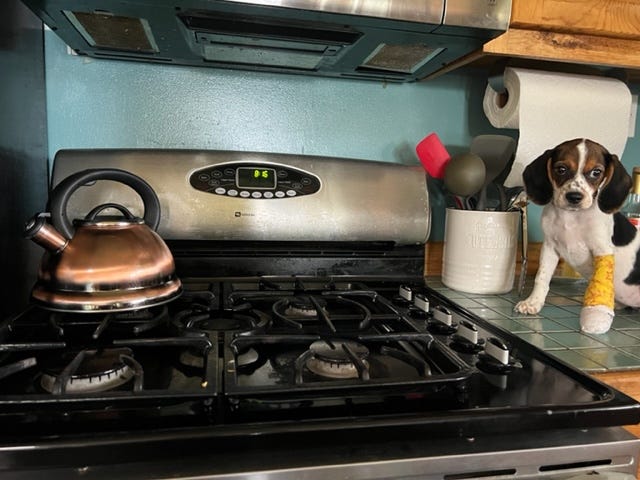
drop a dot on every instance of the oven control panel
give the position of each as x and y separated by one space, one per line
254 180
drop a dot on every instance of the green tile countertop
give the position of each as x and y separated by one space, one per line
556 329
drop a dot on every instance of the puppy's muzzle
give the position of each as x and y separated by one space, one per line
574 198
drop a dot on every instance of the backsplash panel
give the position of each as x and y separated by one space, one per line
110 104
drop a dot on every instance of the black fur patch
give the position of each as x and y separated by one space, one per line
634 275
623 231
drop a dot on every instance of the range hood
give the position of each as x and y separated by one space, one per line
391 40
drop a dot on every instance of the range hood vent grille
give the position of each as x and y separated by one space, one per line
114 32
400 58
391 40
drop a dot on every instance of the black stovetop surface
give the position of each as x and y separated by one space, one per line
283 355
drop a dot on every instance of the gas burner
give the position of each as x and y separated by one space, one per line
90 371
340 359
253 321
250 321
328 308
302 307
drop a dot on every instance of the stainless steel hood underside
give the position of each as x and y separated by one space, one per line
391 40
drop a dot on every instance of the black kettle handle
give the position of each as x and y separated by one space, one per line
94 213
63 191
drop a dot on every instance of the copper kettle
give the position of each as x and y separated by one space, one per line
110 263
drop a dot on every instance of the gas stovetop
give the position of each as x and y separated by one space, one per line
305 344
291 354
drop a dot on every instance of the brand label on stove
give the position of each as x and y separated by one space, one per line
244 214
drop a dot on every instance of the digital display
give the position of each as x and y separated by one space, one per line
253 177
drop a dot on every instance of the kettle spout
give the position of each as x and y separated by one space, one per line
43 233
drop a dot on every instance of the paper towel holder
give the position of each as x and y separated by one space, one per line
496 81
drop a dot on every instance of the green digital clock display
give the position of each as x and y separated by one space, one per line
255 177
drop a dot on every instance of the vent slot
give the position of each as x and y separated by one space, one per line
482 474
570 466
271 28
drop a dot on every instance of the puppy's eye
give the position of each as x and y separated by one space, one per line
560 170
595 173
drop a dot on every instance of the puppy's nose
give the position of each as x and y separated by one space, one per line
574 197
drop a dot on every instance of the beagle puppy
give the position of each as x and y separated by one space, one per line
581 186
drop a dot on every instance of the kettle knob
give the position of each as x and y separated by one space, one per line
63 191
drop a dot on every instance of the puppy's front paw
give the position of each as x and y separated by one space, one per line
530 306
596 319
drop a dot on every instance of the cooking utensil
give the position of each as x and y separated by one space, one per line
433 155
110 263
496 151
464 174
509 196
520 203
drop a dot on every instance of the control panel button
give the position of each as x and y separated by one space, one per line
229 172
280 194
216 174
256 194
296 185
204 177
282 174
214 182
268 194
244 194
291 193
232 193
305 181
221 191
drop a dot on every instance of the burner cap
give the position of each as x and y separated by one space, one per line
331 360
301 307
99 371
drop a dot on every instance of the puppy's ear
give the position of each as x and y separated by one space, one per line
616 186
536 179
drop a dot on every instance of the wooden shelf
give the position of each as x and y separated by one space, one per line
601 34
606 18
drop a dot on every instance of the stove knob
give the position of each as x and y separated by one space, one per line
441 314
406 293
468 331
496 349
421 302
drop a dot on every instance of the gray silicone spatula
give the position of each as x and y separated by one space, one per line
496 151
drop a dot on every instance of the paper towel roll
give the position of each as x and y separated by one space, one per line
549 108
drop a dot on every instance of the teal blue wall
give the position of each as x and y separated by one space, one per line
104 103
